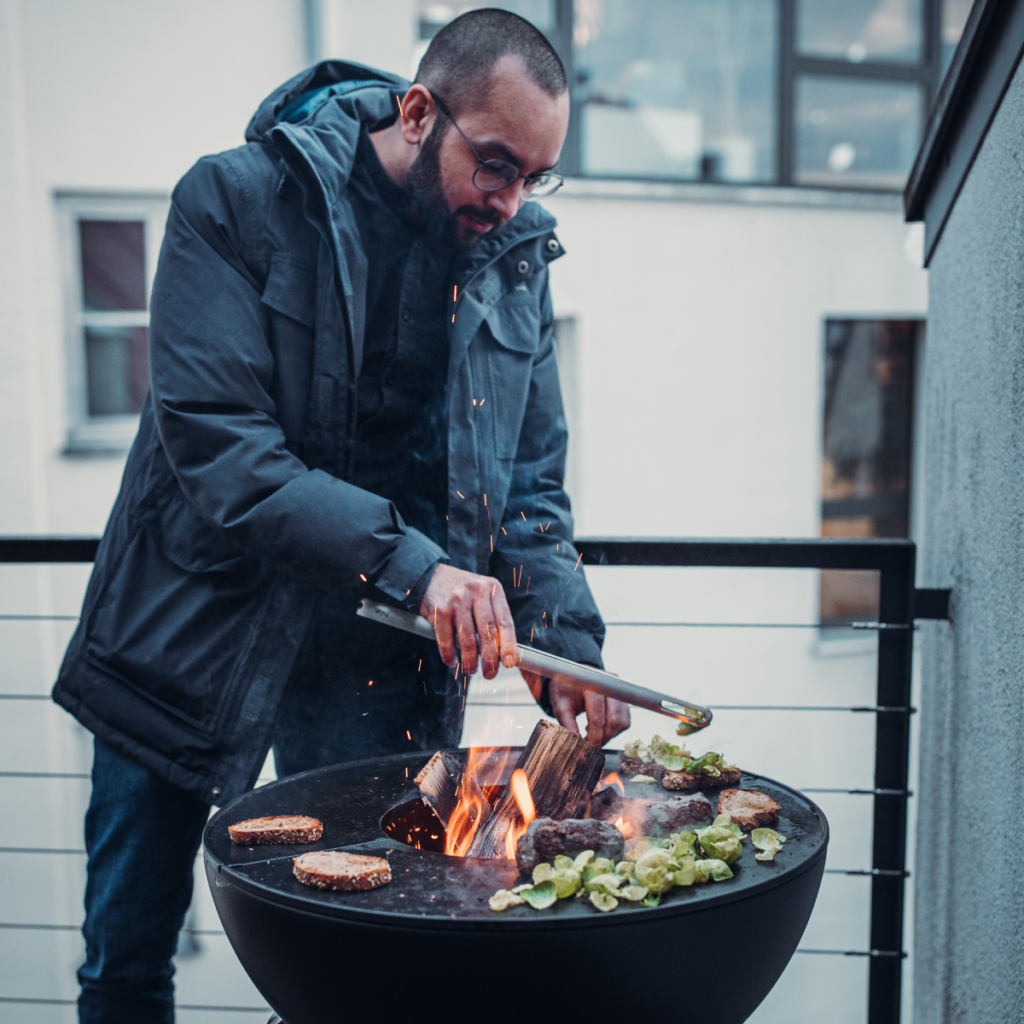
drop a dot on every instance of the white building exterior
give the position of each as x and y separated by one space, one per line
693 376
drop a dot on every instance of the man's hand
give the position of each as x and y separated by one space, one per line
606 717
460 605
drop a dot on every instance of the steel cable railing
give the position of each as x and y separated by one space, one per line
900 604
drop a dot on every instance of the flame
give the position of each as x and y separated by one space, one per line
611 779
520 787
625 828
485 767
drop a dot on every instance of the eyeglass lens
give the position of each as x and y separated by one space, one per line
493 175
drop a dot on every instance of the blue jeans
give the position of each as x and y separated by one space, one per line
142 835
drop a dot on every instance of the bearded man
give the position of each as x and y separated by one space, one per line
353 393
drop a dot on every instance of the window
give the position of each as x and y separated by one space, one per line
869 373
817 93
110 246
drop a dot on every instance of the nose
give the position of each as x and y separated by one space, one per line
507 201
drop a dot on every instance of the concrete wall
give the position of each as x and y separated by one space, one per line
970 900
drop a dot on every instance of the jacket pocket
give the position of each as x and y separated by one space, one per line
178 614
512 338
291 289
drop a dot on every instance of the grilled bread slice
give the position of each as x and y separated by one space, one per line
684 781
749 809
341 872
281 828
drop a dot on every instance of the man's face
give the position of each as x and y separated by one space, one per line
517 122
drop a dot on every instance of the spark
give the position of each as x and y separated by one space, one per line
461 495
548 527
531 634
504 531
408 592
558 547
401 110
435 614
408 735
474 401
578 560
485 496
523 514
492 549
482 400
495 587
528 578
453 318
419 667
455 294
407 771
363 578
370 683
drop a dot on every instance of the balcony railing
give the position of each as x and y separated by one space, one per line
900 604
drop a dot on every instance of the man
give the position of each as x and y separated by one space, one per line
353 392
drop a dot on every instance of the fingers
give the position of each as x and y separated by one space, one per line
462 606
597 710
566 703
616 718
465 633
442 623
508 650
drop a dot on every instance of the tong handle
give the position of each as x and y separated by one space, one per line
695 716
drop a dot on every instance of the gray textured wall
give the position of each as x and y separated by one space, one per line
969 889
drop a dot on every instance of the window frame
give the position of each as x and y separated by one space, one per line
90 435
790 64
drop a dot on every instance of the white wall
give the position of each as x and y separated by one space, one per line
701 342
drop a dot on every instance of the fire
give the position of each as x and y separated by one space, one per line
611 779
485 766
520 786
623 827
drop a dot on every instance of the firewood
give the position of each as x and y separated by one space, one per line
560 767
438 783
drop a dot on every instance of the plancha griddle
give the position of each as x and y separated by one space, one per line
427 947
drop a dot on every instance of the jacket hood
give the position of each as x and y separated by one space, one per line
367 91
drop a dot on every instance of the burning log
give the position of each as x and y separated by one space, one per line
438 782
559 768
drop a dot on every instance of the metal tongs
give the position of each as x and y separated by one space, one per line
692 716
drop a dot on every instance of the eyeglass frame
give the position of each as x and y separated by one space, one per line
489 164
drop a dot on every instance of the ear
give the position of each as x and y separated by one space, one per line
419 112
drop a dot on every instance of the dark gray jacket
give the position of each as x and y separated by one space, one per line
234 511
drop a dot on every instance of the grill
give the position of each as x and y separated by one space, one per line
427 945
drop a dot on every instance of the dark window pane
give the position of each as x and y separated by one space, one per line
116 369
856 133
954 18
866 466
677 88
113 264
858 30
433 17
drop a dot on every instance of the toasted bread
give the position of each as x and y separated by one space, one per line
281 828
684 781
749 809
341 872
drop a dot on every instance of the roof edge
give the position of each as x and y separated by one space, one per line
968 99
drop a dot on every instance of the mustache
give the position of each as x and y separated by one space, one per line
481 213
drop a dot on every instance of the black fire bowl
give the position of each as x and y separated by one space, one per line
427 947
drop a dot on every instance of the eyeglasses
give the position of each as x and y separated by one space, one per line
494 175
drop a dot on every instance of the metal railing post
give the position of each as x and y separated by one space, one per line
892 768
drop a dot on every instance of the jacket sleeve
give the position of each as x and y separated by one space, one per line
534 557
211 375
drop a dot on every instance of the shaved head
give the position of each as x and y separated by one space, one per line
460 61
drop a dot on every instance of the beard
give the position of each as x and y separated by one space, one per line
423 183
